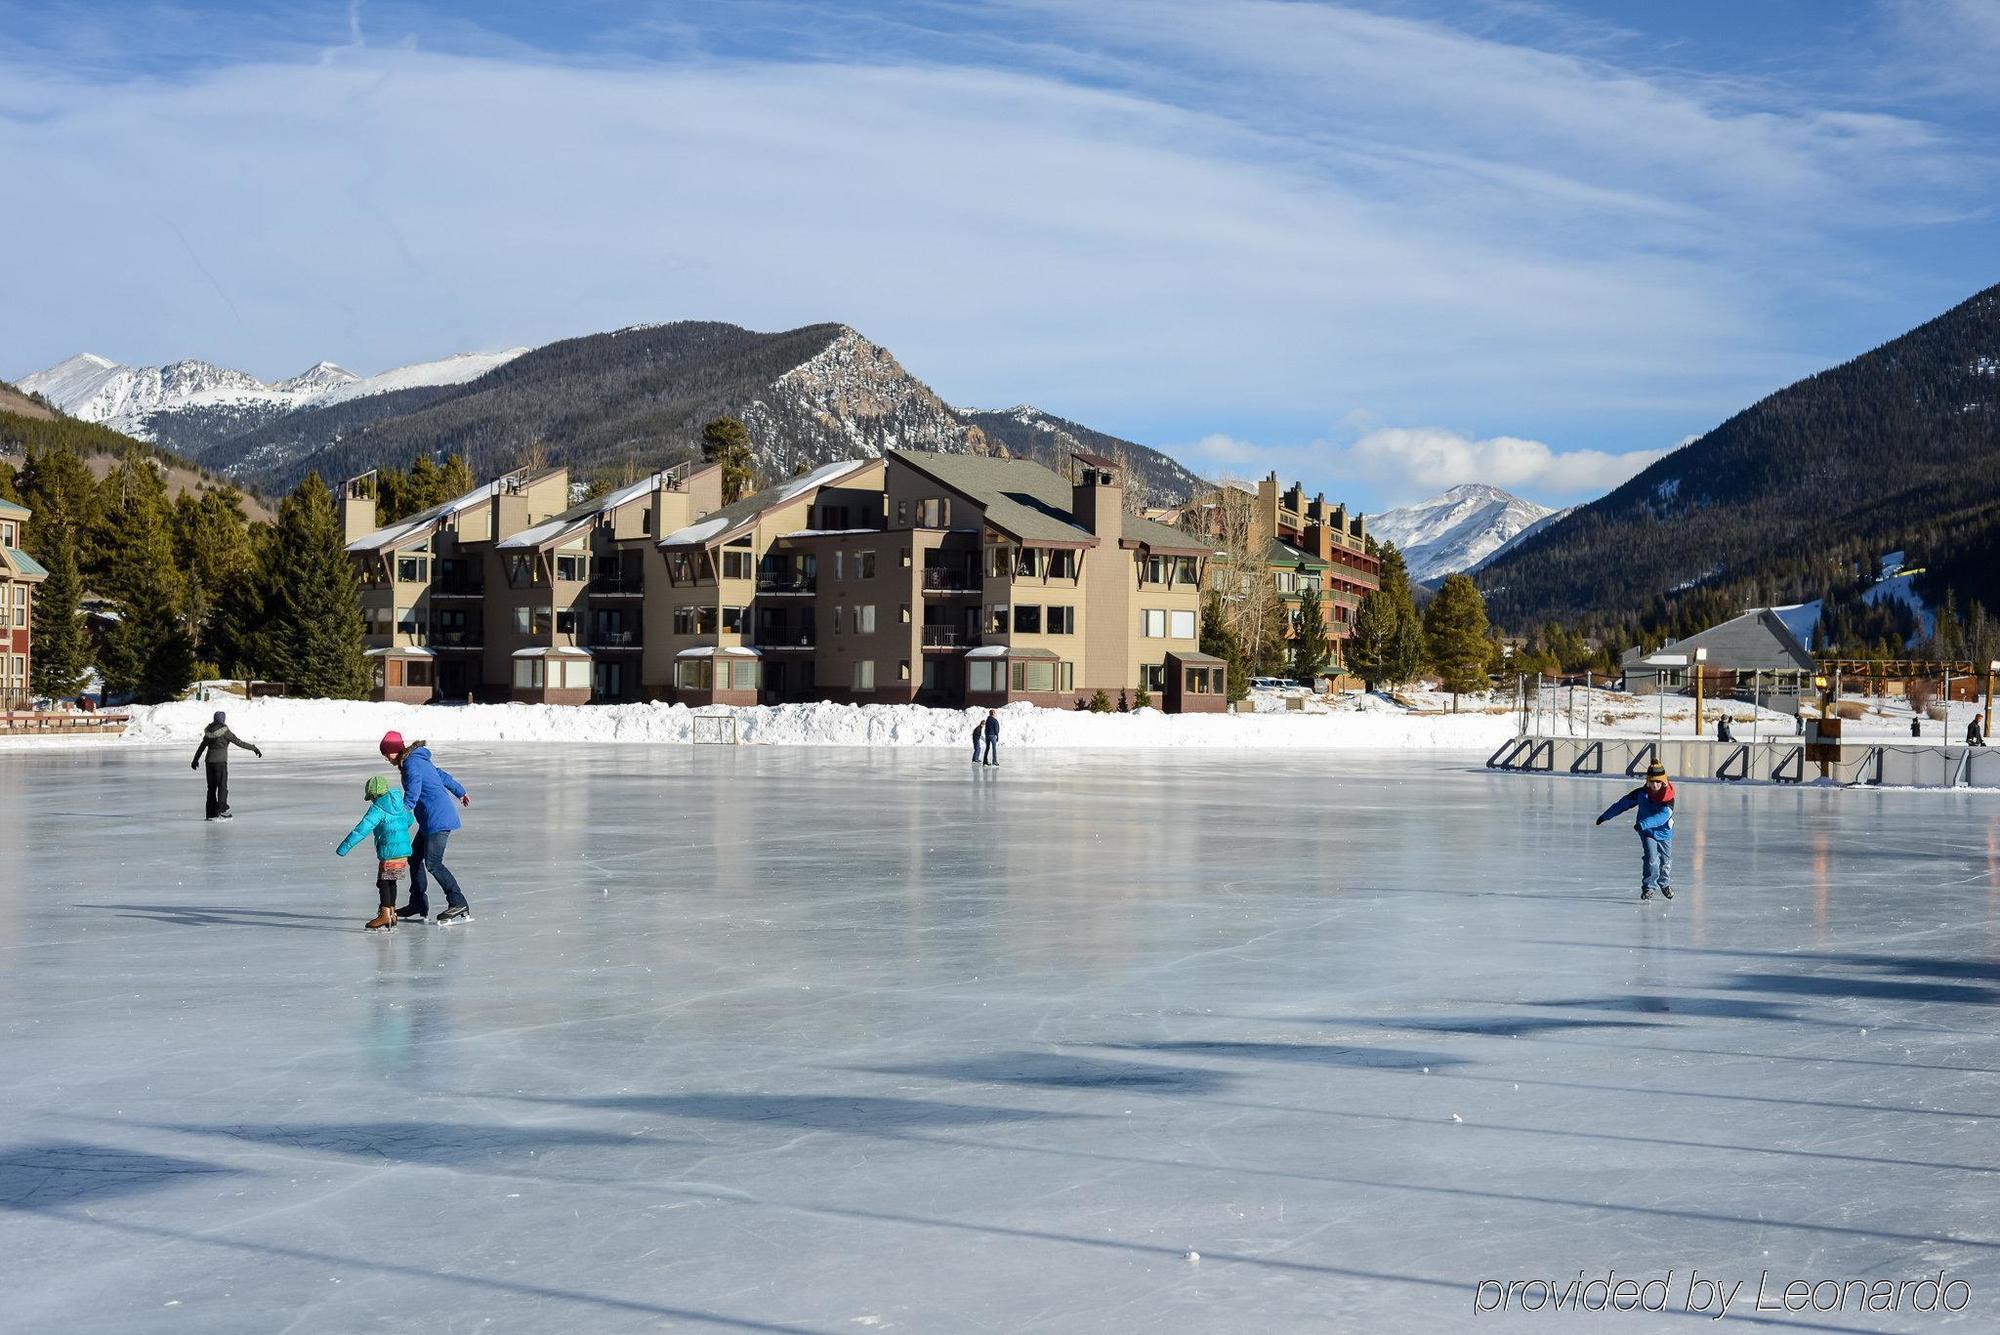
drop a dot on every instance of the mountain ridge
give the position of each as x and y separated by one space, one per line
1457 529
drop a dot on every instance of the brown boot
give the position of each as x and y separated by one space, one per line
385 918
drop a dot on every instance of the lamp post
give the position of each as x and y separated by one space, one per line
1664 661
1992 671
1700 657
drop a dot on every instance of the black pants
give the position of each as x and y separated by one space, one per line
385 891
218 790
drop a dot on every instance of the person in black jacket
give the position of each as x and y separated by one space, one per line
992 729
1975 731
216 739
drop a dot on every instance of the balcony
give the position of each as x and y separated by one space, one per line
617 639
458 588
617 586
949 637
786 639
943 579
457 639
802 584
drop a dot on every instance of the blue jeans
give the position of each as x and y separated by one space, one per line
992 750
1657 856
426 861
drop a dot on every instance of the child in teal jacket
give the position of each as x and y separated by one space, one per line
391 824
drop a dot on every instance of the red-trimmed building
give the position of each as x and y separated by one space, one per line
19 574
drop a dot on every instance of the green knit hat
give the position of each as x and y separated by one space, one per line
377 786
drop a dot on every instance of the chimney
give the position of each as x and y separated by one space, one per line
1097 500
357 507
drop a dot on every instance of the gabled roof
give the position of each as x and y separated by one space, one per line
22 564
1759 639
1282 553
577 518
740 516
1034 504
8 507
424 522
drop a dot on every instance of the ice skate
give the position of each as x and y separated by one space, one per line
385 918
455 914
1666 892
1645 893
408 914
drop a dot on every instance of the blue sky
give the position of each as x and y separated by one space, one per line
1383 247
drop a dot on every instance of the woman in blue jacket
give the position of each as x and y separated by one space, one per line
1655 824
428 792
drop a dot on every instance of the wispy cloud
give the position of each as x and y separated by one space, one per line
1167 219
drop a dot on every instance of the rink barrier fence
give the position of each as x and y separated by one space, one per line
1779 760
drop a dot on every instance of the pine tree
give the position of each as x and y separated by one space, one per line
726 441
392 495
426 484
1310 647
1219 641
1455 636
312 628
455 478
212 546
1371 648
61 661
148 652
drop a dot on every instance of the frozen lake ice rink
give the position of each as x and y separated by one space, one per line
825 1040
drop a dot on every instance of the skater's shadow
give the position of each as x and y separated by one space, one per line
52 1174
188 915
863 1114
1054 1071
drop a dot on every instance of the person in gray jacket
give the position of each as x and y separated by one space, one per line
216 739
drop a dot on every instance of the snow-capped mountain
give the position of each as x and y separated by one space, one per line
172 403
1458 530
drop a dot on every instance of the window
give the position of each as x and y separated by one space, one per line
935 512
1062 564
684 620
1153 623
527 674
734 619
906 558
692 674
573 568
524 621
1026 567
996 618
902 513
1038 675
838 624
1158 568
1028 620
1153 676
998 561
7 535
864 675
1187 570
1202 681
1062 621
840 565
736 565
905 618
412 569
903 670
867 563
833 516
20 605
566 623
680 568
982 675
743 673
1065 676
1181 626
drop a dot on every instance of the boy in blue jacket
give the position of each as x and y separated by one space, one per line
390 822
429 793
1655 824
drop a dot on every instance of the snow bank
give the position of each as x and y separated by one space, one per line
1376 725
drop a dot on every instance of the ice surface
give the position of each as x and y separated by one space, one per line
827 1040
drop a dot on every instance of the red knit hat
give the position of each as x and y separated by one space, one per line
392 745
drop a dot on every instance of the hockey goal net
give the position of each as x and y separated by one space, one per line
715 729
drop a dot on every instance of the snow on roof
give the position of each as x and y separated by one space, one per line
987 651
557 651
719 651
695 533
401 651
400 532
579 517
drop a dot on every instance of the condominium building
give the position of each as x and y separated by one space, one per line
19 574
1310 544
949 579
991 580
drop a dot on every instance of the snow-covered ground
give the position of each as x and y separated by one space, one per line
791 1040
1359 722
